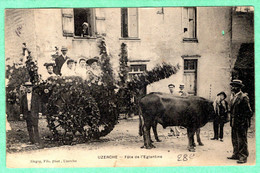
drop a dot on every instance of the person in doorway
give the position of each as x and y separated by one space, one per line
221 110
241 114
30 110
181 92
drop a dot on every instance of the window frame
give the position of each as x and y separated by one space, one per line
129 37
195 38
93 22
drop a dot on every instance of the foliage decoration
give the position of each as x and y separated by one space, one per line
159 72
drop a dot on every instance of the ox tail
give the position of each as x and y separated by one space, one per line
141 122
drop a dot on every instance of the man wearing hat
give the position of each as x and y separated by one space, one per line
175 131
171 88
241 114
60 60
221 109
30 110
181 92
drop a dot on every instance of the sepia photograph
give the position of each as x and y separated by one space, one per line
130 87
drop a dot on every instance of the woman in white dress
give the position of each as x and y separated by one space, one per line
81 68
68 68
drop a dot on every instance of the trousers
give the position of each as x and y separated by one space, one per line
239 141
218 127
32 128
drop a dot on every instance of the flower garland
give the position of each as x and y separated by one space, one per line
71 107
159 72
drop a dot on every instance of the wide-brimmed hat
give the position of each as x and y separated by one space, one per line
47 64
223 93
70 60
237 82
92 60
28 84
64 48
182 84
82 58
171 85
85 23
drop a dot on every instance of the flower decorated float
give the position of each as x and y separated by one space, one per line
78 109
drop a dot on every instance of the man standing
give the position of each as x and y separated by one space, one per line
60 60
181 92
175 131
241 114
171 88
31 110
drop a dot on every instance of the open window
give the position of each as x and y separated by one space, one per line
189 23
73 20
84 22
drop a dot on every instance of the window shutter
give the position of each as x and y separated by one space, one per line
133 22
185 24
100 21
192 21
67 22
124 22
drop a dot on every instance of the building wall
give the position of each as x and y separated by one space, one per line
161 40
19 29
242 31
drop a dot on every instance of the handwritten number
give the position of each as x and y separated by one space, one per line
179 157
185 157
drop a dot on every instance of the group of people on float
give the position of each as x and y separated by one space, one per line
88 69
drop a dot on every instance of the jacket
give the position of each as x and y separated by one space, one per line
240 111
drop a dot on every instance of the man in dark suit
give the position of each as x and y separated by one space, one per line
60 60
30 108
241 114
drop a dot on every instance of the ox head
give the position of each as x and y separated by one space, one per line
211 112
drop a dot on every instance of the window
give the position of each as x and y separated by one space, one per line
189 24
83 16
129 22
137 68
190 76
73 19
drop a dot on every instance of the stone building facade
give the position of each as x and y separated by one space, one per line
196 38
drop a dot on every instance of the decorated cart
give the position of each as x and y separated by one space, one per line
78 110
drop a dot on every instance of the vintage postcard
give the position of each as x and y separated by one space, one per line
130 87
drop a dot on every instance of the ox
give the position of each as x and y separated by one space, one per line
190 112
